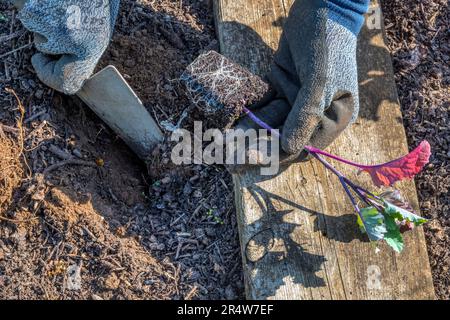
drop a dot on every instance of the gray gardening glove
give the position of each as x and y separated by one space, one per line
18 3
71 36
314 75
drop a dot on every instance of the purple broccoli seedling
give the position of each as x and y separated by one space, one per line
385 216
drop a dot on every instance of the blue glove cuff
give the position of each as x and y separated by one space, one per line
348 13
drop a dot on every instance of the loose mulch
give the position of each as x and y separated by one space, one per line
80 217
418 34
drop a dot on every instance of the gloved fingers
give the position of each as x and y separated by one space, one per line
39 40
64 74
52 34
289 159
311 68
308 50
303 119
70 36
283 77
274 114
306 38
45 67
33 17
256 153
51 45
335 120
19 4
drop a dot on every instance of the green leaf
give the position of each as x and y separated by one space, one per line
373 223
402 214
395 241
393 237
360 224
3 18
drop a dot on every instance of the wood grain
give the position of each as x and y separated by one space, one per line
298 232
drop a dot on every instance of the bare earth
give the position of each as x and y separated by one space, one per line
77 207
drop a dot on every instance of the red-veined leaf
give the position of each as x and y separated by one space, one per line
404 168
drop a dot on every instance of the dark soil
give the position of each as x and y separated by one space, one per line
81 202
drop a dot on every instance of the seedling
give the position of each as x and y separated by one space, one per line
210 214
385 216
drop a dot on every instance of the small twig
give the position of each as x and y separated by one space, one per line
192 293
22 115
35 116
20 126
37 129
17 221
2 133
9 129
10 36
15 50
180 244
176 220
68 162
59 153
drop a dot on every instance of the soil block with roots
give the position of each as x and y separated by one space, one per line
220 89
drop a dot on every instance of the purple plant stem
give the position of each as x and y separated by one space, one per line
344 182
261 123
360 189
366 196
361 192
352 199
310 149
332 156
316 153
362 195
329 166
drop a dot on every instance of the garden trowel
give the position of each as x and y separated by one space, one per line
112 99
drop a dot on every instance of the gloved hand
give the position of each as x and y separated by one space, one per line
71 36
314 75
19 4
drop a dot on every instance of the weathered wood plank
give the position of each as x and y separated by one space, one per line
297 230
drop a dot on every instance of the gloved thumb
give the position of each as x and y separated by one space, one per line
62 73
303 119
